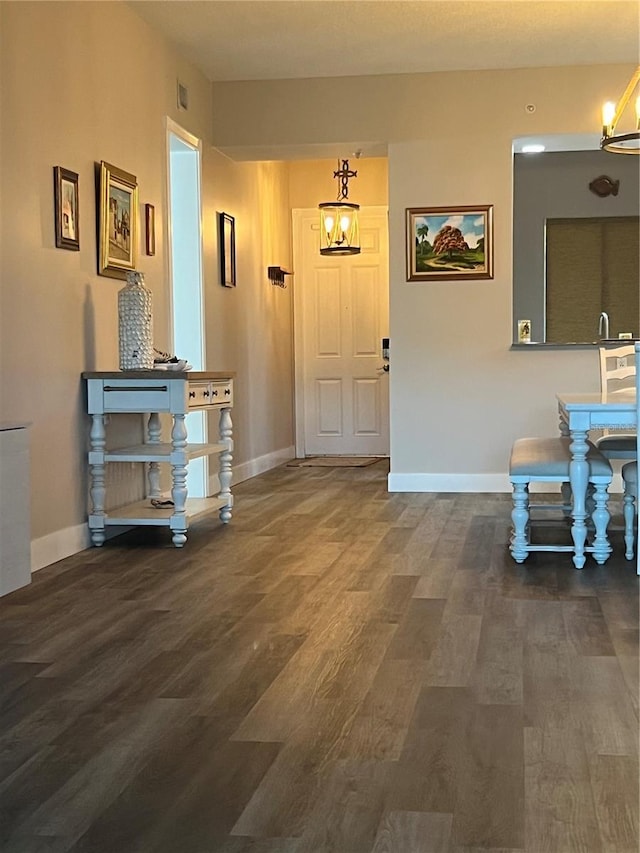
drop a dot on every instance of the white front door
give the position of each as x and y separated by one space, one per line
341 315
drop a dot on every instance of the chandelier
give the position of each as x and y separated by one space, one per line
339 229
621 143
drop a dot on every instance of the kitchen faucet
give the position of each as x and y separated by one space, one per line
603 326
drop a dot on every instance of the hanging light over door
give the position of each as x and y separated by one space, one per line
339 228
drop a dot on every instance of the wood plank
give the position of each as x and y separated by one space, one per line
419 630
489 809
380 726
435 579
413 832
186 797
293 694
426 779
617 813
283 801
587 631
559 812
452 661
498 674
607 719
70 810
347 810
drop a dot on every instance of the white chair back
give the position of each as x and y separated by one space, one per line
617 369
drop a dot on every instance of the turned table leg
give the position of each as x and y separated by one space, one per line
579 477
179 482
224 474
97 488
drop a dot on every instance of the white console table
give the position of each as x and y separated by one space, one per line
153 392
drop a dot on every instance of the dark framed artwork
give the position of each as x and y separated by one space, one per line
117 221
227 242
447 243
150 229
66 206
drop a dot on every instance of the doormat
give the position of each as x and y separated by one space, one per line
333 462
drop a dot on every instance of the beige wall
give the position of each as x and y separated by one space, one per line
402 107
312 181
250 326
80 83
459 395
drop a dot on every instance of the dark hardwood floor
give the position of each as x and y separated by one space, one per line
339 669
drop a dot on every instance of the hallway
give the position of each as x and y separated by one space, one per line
339 670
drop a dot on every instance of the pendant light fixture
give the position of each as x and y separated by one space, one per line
339 229
621 143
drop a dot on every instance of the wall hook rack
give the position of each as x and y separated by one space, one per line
276 276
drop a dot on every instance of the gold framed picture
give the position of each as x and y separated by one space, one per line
150 229
447 243
118 221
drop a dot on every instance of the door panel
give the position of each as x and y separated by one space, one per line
341 315
328 407
365 313
328 317
366 406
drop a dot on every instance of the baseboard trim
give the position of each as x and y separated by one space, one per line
58 545
262 463
448 483
492 483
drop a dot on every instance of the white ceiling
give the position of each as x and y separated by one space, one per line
278 39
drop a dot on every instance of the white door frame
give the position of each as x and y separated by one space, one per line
171 127
198 474
298 215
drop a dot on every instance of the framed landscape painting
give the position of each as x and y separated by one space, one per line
449 243
118 222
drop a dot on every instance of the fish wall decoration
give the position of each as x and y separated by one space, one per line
603 186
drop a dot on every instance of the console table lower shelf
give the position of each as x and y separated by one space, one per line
143 513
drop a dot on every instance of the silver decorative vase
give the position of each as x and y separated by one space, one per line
135 330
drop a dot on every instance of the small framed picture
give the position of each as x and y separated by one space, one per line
117 221
524 331
448 243
65 193
150 229
227 242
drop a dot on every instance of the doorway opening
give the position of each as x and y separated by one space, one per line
184 153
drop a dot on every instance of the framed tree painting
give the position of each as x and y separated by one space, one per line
65 192
117 221
447 243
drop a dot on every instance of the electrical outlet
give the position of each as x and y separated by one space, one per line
621 363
